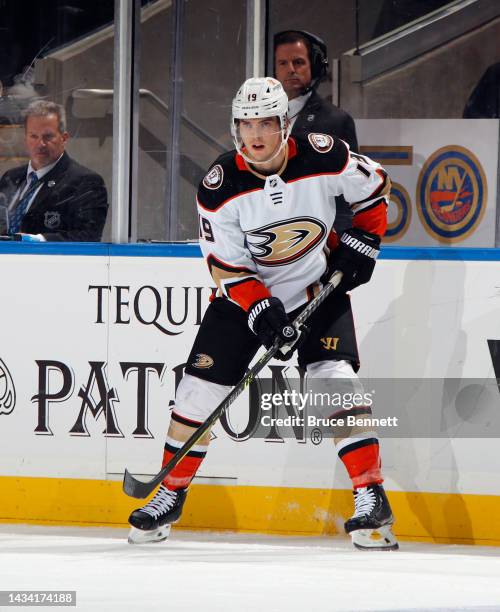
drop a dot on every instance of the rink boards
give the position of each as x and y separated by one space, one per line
91 327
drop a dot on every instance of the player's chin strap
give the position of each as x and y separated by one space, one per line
136 488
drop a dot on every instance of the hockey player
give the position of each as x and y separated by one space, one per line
265 215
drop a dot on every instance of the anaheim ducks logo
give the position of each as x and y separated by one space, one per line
203 361
7 390
213 179
322 143
286 241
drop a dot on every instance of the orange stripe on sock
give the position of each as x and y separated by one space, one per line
363 465
183 473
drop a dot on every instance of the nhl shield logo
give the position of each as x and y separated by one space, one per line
322 143
214 178
52 219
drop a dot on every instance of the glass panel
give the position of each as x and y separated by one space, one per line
155 41
378 17
51 52
212 32
408 95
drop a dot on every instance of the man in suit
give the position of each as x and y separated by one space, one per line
300 63
52 198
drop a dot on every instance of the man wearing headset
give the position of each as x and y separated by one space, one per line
300 64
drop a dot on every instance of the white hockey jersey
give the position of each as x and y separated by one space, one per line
266 236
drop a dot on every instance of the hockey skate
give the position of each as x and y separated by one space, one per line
152 522
370 525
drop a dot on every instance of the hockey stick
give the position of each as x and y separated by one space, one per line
139 489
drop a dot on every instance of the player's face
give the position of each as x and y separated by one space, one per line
293 68
261 137
44 142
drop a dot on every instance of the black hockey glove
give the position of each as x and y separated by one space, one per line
268 321
355 257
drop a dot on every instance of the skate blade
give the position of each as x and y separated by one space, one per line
140 536
374 539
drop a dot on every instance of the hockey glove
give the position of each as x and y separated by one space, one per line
355 257
268 321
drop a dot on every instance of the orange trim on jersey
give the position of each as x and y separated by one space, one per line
333 240
373 220
248 292
380 189
240 163
228 200
245 291
225 266
292 148
300 178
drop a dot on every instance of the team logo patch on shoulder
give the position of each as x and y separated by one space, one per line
214 178
322 143
203 361
283 242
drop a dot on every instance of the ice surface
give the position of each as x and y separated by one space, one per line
208 572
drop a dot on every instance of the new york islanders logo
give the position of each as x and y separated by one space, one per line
451 194
399 213
283 242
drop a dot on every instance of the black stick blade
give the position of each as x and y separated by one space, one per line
137 488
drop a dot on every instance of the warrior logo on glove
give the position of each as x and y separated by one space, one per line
355 257
358 245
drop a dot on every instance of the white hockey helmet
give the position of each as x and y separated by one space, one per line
258 98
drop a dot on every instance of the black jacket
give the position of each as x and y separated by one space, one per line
71 205
318 115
